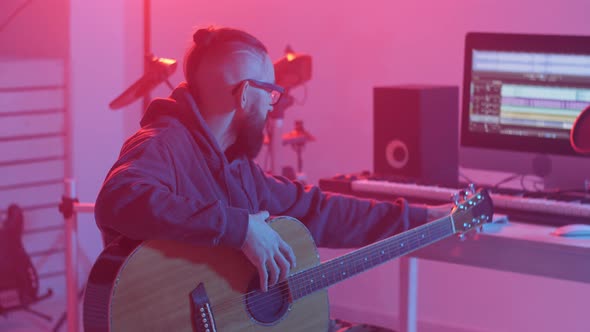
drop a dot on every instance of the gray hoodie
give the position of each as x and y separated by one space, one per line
173 182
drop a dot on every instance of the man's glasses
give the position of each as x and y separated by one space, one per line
276 91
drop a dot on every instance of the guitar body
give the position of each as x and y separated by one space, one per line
19 282
170 286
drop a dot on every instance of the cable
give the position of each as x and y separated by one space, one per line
465 177
14 14
507 179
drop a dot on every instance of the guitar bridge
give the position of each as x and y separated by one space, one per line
202 315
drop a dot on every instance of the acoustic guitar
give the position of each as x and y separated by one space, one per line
172 286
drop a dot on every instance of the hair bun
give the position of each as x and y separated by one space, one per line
203 37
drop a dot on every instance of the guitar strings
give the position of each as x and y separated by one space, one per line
221 308
296 279
440 229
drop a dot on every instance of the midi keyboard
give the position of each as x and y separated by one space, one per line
555 211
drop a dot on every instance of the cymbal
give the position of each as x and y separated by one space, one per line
159 69
580 133
298 136
292 69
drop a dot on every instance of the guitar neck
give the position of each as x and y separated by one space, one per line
363 259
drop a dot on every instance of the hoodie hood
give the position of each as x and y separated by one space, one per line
182 107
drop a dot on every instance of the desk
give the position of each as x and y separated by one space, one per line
513 247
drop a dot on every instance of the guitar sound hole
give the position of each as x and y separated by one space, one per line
267 307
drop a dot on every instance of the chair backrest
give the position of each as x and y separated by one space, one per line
580 133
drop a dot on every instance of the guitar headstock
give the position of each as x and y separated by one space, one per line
473 208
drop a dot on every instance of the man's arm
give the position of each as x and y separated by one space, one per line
138 200
338 220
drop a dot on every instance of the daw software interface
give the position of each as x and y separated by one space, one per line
527 93
523 92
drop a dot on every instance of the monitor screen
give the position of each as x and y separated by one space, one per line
523 92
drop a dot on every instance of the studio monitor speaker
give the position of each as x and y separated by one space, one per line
416 133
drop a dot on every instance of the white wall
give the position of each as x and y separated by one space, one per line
358 45
38 30
106 57
355 47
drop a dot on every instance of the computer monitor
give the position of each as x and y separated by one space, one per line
521 95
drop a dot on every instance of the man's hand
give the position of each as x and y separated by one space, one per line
272 257
434 212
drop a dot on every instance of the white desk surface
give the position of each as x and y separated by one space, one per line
517 247
513 247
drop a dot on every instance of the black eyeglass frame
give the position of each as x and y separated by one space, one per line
270 87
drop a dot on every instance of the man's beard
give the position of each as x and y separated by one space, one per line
250 136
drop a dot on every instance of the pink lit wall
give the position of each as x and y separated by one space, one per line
106 57
39 29
358 45
355 46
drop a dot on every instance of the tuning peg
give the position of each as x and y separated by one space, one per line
462 237
471 187
464 193
456 198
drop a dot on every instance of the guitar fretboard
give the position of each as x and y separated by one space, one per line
353 263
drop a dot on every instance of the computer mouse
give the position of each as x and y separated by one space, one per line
573 230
